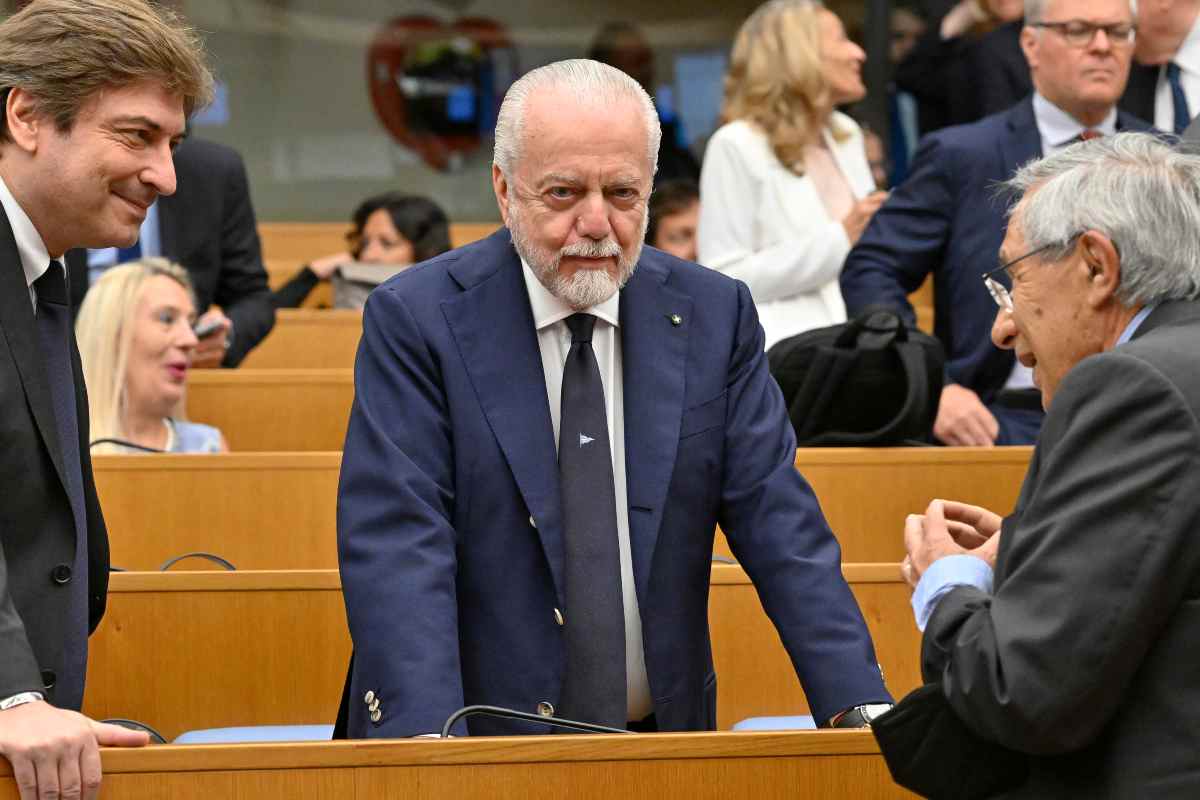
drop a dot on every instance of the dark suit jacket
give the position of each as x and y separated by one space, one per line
1084 656
208 226
999 72
1138 98
449 521
948 220
37 526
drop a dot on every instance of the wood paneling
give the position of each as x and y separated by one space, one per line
305 338
182 651
770 766
274 409
277 510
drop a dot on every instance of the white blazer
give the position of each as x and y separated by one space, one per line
767 226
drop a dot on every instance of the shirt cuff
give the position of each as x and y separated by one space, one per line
944 575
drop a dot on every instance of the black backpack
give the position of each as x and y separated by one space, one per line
864 383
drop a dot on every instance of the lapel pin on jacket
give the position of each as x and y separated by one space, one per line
676 320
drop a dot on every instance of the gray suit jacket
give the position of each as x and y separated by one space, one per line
1084 656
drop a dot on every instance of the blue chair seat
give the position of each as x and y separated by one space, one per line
797 723
258 733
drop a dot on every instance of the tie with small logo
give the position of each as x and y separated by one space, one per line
54 333
594 688
1178 99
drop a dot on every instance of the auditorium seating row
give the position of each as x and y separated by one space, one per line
277 510
187 650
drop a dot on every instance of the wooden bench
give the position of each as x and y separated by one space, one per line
276 510
688 766
189 650
274 409
306 338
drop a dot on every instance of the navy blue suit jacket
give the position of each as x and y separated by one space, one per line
450 532
948 219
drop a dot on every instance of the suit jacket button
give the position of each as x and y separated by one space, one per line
558 617
369 697
61 574
376 715
545 709
49 678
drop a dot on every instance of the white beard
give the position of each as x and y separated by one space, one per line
587 287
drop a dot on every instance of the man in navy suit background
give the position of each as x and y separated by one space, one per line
455 533
947 219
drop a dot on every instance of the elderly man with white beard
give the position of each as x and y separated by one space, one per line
548 425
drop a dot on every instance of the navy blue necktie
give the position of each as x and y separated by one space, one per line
1178 99
594 689
131 253
54 333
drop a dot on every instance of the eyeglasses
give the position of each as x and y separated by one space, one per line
998 290
1079 33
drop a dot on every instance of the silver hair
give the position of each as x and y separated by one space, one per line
1035 10
1136 190
588 82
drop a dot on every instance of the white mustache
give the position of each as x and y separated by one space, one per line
588 248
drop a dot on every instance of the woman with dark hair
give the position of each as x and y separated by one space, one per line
389 229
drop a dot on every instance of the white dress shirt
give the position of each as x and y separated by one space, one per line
1057 130
554 342
1188 59
35 258
765 225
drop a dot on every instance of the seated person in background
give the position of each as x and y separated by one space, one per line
392 228
786 186
674 212
947 221
136 344
208 226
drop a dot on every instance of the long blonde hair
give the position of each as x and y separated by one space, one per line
104 335
775 79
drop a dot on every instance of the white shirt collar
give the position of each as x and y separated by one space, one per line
35 258
1058 128
548 309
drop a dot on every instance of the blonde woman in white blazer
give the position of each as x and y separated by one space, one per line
786 189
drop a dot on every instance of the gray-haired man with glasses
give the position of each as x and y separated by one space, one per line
1068 630
945 220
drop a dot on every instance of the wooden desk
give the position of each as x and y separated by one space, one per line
867 492
306 338
182 651
690 766
258 510
274 409
244 505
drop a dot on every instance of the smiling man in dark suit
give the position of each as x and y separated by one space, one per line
1068 632
95 93
547 427
947 221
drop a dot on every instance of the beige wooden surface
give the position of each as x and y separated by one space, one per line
867 492
274 409
277 510
188 650
257 510
694 766
307 338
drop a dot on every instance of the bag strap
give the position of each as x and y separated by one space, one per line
916 399
829 367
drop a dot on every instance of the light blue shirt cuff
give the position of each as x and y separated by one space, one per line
942 576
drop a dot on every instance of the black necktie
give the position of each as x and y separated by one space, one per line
1178 99
594 689
54 333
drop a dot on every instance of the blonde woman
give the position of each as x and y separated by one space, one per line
786 189
136 343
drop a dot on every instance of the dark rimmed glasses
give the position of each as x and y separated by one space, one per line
1079 33
998 290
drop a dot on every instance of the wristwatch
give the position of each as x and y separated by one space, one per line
20 699
859 716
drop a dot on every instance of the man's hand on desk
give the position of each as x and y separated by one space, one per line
56 753
948 528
